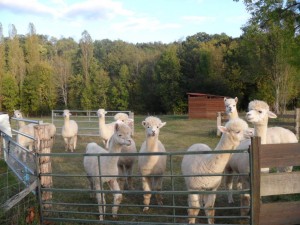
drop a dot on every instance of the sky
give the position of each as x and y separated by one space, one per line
133 21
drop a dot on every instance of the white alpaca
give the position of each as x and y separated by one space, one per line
152 164
275 135
258 115
194 164
125 166
69 131
108 166
126 163
230 107
105 130
26 129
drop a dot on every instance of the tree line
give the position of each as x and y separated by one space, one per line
39 73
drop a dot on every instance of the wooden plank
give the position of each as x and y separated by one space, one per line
280 183
279 155
280 213
18 197
255 179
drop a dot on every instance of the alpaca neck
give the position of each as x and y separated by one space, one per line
102 125
67 122
218 162
225 143
114 147
233 115
152 144
21 123
260 130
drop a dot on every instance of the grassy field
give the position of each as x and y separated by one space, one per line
178 134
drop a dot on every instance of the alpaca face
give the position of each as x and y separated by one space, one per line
101 113
259 112
18 114
230 105
235 129
152 126
66 113
122 134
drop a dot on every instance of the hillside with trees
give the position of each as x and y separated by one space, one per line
39 73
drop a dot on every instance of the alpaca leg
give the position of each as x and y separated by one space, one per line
229 184
92 195
101 202
194 207
158 187
129 170
66 144
113 184
146 187
245 198
121 179
74 141
209 202
245 202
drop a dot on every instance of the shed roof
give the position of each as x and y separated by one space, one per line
208 95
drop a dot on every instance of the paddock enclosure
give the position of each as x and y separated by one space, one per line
57 179
87 120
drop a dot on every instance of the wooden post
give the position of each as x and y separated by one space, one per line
297 126
255 179
131 116
43 144
219 122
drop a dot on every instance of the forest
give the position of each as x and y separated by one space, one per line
39 73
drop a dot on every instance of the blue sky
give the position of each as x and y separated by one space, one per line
134 21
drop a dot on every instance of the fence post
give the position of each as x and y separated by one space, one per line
255 179
131 116
297 126
219 122
43 144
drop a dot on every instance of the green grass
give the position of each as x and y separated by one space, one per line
177 135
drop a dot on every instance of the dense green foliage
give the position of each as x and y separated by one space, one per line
38 73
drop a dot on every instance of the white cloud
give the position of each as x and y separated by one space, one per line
84 10
143 23
26 7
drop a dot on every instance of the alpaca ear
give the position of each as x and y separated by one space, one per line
162 124
271 115
236 99
222 129
144 124
117 127
225 99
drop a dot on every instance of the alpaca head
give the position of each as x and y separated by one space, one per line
123 117
101 113
66 113
152 125
234 130
230 105
121 134
259 112
18 114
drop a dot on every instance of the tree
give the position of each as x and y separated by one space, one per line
86 46
15 58
32 48
2 62
9 89
168 80
283 11
39 91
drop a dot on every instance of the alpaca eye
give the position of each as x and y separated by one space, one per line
238 132
260 111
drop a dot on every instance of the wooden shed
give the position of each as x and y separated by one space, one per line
205 105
